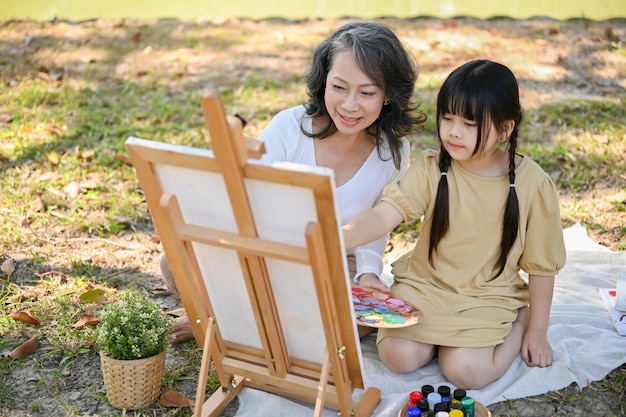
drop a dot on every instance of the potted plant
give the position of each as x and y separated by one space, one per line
132 338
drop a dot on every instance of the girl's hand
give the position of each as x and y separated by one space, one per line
371 281
536 350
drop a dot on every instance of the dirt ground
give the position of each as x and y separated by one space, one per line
568 62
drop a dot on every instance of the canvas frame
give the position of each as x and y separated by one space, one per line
225 225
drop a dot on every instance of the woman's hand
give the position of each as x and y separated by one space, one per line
372 281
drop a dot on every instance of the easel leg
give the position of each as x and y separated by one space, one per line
368 403
214 406
364 408
204 367
321 388
219 399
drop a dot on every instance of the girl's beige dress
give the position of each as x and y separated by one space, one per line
463 305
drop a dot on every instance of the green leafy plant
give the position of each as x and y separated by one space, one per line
134 327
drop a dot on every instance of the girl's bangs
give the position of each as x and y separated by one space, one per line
461 103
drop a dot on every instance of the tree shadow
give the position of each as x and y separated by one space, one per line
91 85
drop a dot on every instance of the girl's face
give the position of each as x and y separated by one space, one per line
353 101
459 137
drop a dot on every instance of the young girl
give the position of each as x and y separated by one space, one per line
488 212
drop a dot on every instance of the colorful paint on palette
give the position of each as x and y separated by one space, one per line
376 309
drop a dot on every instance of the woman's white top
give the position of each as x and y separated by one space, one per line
285 142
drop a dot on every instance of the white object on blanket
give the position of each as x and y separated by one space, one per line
620 292
585 343
617 317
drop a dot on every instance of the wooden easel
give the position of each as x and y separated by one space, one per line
256 255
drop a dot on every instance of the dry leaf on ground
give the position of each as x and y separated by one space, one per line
25 317
175 399
85 320
25 349
95 296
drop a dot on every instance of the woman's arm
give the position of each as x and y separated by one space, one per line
371 225
369 264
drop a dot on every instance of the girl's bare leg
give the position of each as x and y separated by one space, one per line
474 368
404 356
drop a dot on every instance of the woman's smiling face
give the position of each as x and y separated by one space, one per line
353 101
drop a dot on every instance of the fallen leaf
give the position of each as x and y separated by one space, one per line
36 205
25 317
45 177
53 158
94 296
175 399
8 267
25 349
72 190
86 319
90 184
88 153
55 130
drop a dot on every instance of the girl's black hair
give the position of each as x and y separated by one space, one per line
383 58
485 92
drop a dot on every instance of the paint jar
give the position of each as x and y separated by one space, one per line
468 406
413 412
456 406
440 407
444 391
442 414
414 397
433 398
427 389
458 395
422 405
456 413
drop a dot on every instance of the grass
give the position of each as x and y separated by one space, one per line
72 94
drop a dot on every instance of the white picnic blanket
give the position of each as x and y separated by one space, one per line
585 343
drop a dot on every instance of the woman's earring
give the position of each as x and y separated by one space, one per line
386 102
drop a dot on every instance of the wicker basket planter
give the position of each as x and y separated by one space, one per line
132 384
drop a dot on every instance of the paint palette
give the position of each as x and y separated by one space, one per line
377 309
